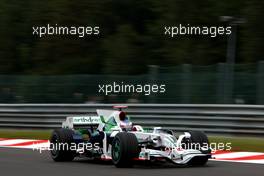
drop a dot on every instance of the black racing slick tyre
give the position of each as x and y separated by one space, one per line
198 140
60 145
124 149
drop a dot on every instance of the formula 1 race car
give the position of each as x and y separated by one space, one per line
112 136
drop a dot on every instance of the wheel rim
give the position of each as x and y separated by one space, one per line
116 150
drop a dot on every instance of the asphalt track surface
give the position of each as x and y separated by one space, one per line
25 162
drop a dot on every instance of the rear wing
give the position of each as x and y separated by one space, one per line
79 121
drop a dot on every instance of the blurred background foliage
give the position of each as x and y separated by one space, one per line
131 35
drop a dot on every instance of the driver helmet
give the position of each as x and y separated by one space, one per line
124 121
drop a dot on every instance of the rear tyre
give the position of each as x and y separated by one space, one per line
124 149
60 142
199 140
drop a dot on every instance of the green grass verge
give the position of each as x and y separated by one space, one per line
25 134
237 143
241 143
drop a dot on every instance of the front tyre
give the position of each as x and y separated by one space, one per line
124 149
60 142
199 139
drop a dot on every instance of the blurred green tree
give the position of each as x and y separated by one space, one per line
131 35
